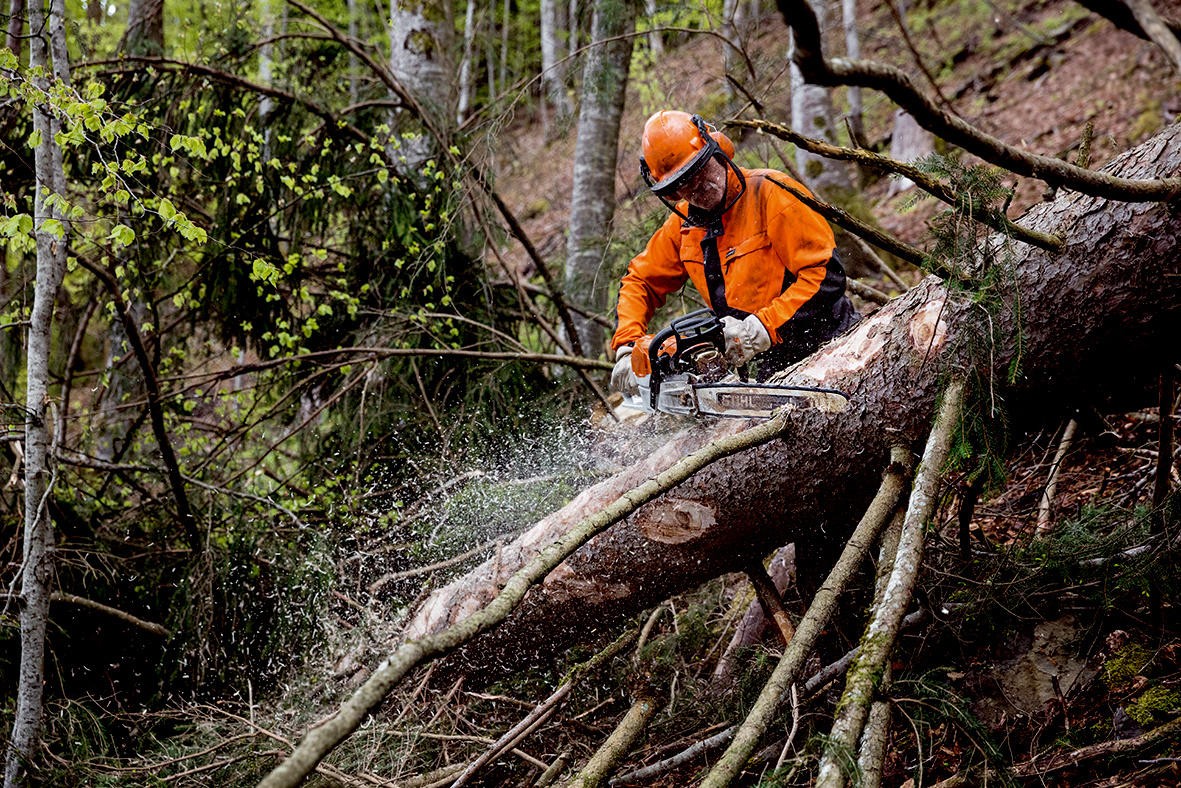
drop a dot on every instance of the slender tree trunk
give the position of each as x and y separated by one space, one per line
655 38
465 66
94 11
553 75
853 52
1072 348
354 66
592 201
812 115
16 19
733 25
421 36
37 563
144 34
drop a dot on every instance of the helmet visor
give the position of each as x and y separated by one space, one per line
670 184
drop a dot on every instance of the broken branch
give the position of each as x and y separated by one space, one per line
823 604
324 738
878 641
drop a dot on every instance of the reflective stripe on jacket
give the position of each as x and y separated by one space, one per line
769 255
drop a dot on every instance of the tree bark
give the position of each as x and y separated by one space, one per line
16 20
144 34
553 75
421 37
465 65
592 200
1088 317
37 560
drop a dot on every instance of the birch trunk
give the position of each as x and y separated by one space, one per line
733 23
592 201
37 559
553 75
465 66
655 38
1086 319
421 38
812 115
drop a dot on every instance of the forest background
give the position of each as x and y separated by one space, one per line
302 312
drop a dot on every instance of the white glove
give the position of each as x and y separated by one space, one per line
744 339
623 379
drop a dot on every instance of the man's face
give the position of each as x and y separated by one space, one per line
707 189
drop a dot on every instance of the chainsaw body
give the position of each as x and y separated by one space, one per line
682 370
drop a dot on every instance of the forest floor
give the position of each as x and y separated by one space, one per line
1052 658
1036 643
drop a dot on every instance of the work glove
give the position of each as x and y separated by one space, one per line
623 379
744 339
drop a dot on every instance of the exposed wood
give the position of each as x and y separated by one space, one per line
770 601
1046 505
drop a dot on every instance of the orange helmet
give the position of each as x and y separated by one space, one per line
676 146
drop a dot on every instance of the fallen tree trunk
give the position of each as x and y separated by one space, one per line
1075 324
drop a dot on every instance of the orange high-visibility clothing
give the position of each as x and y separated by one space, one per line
768 255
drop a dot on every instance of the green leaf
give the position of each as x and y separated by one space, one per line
122 235
167 211
54 228
35 139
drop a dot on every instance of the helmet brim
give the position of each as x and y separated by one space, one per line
671 183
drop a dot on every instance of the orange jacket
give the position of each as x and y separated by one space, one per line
775 257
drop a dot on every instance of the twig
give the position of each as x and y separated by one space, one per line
1047 503
898 86
617 744
385 580
823 604
324 739
546 708
883 628
1170 731
993 218
795 726
74 599
817 682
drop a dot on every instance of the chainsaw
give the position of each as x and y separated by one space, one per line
682 370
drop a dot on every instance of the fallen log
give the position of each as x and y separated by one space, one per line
1076 324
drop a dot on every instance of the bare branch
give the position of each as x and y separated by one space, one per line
898 86
324 738
994 219
810 626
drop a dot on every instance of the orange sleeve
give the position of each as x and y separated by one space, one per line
804 242
651 276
